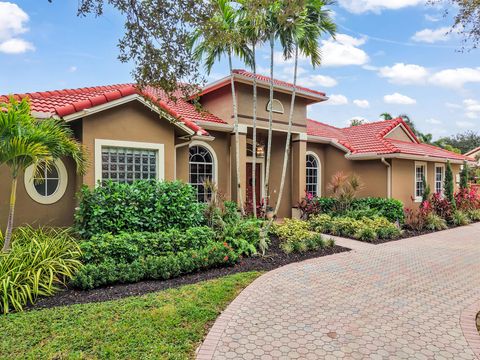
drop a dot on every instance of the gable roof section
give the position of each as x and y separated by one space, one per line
62 103
265 80
473 152
370 139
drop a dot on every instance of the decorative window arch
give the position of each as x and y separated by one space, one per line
46 185
277 106
313 174
202 164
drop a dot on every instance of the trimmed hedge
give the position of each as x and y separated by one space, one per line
128 247
142 206
391 209
215 254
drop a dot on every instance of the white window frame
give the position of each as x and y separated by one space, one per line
417 165
319 172
214 158
28 179
276 103
100 143
439 166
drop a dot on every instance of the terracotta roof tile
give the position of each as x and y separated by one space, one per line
69 101
370 138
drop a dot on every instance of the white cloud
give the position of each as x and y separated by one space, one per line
432 18
361 103
72 69
465 124
453 106
317 81
455 78
432 35
13 23
433 121
343 51
401 73
337 99
471 115
472 108
15 46
397 98
376 6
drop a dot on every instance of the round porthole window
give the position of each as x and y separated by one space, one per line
48 184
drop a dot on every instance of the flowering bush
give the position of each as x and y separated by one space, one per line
308 206
467 199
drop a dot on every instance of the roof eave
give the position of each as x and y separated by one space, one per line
374 156
329 141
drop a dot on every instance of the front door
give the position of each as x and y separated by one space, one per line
250 183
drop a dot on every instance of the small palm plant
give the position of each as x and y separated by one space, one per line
26 141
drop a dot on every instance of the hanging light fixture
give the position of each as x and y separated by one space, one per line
260 151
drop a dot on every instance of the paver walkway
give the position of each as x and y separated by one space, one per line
398 300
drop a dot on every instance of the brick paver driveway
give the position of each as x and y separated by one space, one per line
402 299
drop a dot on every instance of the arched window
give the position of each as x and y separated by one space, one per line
313 175
277 106
201 163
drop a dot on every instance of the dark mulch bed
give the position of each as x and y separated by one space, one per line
274 258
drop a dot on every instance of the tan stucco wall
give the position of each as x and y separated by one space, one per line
219 102
403 179
399 134
28 211
129 122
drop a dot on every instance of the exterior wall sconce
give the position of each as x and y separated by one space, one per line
260 151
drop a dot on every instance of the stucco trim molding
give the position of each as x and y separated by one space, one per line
28 179
99 143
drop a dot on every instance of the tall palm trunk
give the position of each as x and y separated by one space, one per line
254 136
237 140
286 154
8 232
270 121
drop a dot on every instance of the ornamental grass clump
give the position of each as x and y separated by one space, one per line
39 261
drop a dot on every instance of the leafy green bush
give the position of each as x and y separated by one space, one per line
366 229
366 233
128 247
295 236
435 222
474 215
39 261
243 235
215 254
141 206
460 218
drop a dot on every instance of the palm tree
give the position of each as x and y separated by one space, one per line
386 116
301 32
26 141
221 37
253 30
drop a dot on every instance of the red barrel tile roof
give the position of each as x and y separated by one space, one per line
370 138
69 101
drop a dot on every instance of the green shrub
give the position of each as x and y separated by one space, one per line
39 261
435 222
243 236
231 215
460 218
392 209
141 206
295 236
322 223
128 247
366 233
474 215
215 254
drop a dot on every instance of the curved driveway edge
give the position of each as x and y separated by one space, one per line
402 299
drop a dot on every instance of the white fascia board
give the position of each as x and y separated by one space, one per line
373 156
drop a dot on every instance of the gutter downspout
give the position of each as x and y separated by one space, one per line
389 177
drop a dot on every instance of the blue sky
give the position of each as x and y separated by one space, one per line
390 55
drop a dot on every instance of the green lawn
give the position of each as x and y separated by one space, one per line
168 324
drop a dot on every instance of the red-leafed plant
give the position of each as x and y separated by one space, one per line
308 206
441 206
467 199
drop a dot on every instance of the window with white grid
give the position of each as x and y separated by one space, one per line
439 178
201 169
420 175
312 175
